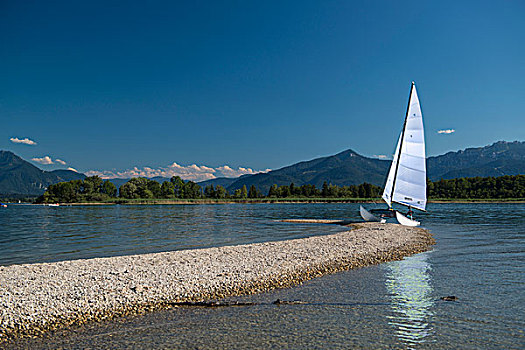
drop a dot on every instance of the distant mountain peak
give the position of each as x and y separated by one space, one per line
19 177
6 155
349 167
349 152
499 158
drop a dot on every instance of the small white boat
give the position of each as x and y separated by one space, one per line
53 205
406 183
3 205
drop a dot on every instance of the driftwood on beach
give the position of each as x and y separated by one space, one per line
36 298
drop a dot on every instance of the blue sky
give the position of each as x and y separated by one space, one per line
111 86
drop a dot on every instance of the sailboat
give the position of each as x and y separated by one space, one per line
406 183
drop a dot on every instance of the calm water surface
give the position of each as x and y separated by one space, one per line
479 257
35 233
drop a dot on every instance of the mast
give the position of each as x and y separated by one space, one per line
401 143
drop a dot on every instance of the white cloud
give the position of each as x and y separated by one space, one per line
380 156
72 169
446 131
44 160
47 160
25 141
192 172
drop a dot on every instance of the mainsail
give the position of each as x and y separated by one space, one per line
406 183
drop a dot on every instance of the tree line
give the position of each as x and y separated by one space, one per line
501 187
93 189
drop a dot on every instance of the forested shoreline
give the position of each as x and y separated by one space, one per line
95 189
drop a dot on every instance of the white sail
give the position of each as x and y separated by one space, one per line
387 192
406 183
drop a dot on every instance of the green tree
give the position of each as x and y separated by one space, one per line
220 192
292 189
136 187
348 191
244 192
191 190
361 191
209 191
142 187
368 190
154 187
109 188
146 193
284 191
64 192
309 190
92 184
273 192
167 189
324 191
253 193
178 184
128 190
333 191
478 187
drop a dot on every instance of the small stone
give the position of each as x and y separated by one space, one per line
80 291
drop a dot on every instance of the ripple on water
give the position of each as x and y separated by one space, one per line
478 258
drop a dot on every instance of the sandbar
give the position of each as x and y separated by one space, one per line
38 298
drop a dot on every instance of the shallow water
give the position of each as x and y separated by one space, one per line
479 257
35 233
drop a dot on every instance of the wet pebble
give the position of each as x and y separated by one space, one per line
36 298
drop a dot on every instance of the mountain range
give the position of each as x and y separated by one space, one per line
19 177
350 168
500 158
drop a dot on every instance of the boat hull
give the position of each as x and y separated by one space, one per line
399 218
403 220
368 216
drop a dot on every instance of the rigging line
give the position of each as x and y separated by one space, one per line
401 143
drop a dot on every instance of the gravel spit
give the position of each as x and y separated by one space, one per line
37 298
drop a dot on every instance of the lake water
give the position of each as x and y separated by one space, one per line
479 257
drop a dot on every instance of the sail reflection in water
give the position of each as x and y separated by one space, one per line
410 290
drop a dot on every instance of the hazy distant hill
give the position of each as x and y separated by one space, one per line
222 181
19 177
345 168
500 158
348 167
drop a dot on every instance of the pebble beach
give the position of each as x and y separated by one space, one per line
38 298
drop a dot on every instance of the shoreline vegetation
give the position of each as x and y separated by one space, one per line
43 297
95 190
145 201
